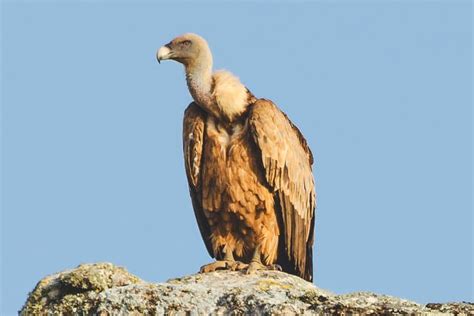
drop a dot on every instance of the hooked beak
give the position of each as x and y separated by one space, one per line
163 53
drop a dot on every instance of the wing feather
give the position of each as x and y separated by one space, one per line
194 125
287 161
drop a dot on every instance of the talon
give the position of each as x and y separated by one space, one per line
275 267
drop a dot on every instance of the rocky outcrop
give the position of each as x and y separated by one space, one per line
104 289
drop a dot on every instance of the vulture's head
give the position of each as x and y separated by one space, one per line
188 49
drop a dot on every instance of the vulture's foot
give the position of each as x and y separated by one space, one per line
223 265
256 263
258 266
238 266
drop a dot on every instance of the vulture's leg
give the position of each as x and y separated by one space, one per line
228 263
256 263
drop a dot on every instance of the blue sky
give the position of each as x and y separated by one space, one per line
92 164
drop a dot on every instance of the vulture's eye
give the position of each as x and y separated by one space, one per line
185 43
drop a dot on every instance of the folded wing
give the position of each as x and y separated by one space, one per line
193 141
287 160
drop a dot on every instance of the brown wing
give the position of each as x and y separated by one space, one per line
287 162
193 139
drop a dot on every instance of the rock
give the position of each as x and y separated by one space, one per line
104 289
78 290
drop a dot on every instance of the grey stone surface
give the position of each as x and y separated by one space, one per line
104 289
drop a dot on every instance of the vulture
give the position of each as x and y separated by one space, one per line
249 170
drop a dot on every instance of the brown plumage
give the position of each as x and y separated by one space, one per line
248 168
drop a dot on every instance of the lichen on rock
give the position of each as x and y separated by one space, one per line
76 291
105 289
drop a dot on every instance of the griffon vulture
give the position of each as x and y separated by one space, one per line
248 168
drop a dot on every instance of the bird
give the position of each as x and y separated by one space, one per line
248 167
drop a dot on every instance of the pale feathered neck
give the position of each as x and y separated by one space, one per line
199 80
220 94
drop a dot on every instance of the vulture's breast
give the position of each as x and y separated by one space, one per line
232 177
236 201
